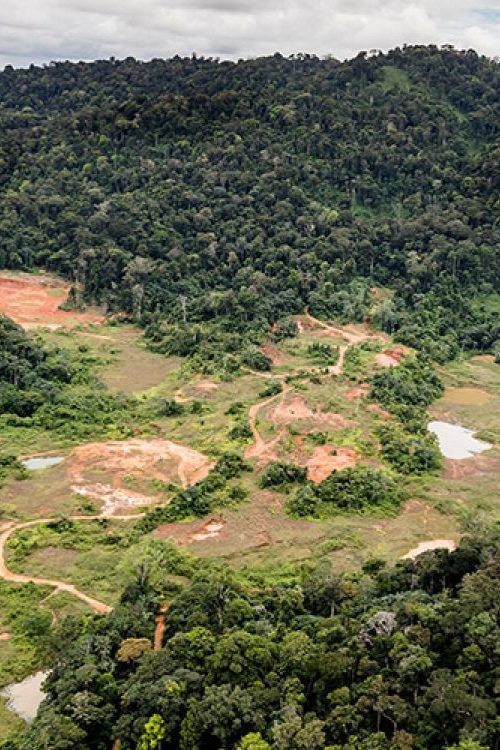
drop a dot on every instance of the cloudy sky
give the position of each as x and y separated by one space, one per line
43 30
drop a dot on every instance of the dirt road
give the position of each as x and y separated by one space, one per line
8 575
260 447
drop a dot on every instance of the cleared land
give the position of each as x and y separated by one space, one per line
321 419
34 301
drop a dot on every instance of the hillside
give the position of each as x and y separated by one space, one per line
190 190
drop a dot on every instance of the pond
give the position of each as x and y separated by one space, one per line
457 442
41 462
24 698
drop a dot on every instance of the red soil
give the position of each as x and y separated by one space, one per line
273 353
469 467
33 301
322 462
359 391
290 411
390 357
262 450
211 529
141 459
377 409
287 412
159 629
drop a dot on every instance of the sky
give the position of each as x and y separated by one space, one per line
39 31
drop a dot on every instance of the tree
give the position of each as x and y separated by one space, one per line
254 741
154 733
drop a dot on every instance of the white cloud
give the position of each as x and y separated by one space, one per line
43 30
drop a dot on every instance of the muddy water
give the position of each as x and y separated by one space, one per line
457 442
466 396
24 698
42 462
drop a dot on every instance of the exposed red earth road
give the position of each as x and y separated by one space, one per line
8 575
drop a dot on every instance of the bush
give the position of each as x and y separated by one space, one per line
240 431
286 328
323 354
278 473
409 453
303 503
414 382
255 359
10 466
356 490
170 408
272 388
360 489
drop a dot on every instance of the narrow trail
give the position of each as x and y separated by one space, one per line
260 447
8 575
350 336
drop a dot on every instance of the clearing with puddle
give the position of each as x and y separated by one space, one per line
457 442
41 462
24 698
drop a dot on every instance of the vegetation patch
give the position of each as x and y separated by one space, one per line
352 490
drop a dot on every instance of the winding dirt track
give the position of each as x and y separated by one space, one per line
8 575
260 448
257 450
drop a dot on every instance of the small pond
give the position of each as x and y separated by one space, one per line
41 462
23 698
457 442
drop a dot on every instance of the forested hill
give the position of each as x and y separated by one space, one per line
191 191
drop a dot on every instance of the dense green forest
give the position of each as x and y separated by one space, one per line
210 199
400 658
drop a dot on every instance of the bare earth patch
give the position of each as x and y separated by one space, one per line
274 353
327 458
138 459
390 357
206 385
33 301
209 531
359 391
469 467
296 409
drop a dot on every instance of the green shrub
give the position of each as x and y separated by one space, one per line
354 490
279 473
255 359
323 354
273 387
410 453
